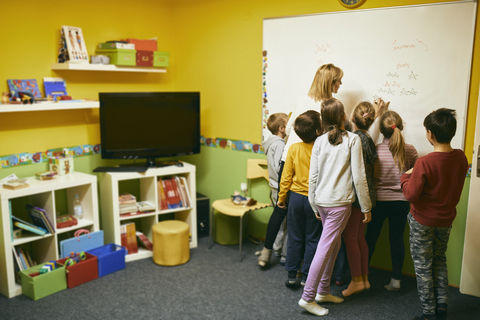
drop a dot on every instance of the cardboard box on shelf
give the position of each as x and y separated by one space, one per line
61 165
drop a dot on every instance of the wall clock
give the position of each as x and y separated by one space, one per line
350 4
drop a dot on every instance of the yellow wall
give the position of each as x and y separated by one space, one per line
30 33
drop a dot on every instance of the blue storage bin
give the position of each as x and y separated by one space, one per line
110 257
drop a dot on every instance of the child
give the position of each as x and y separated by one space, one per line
304 229
433 189
394 158
363 116
336 172
273 147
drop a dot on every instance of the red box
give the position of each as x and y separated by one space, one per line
144 58
146 45
81 272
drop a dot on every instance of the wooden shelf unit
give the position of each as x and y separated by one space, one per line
147 181
45 194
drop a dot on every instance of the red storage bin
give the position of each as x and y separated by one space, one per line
145 45
82 272
144 58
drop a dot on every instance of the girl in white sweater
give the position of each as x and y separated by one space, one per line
336 172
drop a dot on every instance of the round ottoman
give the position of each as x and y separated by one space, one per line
171 243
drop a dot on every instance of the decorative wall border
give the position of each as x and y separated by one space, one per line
239 145
20 159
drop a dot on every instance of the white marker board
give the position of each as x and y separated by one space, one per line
417 57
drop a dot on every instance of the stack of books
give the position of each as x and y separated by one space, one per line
145 206
173 193
40 218
128 204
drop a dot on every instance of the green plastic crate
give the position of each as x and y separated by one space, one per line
161 59
120 57
45 284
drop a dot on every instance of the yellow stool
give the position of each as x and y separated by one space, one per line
171 243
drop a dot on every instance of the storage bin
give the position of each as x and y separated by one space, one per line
82 272
44 284
147 45
161 59
144 58
120 57
110 257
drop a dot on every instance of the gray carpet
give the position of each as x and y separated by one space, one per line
215 285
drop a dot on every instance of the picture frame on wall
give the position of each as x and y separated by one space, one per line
76 50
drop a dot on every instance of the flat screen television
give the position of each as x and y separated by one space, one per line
149 125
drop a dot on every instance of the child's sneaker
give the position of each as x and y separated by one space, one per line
304 280
291 282
282 260
264 256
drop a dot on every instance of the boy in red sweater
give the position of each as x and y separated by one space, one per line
433 187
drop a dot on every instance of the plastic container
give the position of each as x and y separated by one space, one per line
82 272
77 207
110 257
44 284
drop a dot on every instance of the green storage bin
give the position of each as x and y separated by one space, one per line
120 57
45 284
161 59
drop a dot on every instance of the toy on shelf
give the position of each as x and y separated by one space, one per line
75 258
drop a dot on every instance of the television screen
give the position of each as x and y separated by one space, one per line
149 125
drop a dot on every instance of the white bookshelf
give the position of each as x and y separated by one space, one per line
45 194
105 67
147 181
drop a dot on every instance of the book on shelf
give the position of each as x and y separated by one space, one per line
17 265
15 184
162 199
127 198
143 240
128 237
45 175
145 206
66 220
184 189
72 46
23 260
19 223
28 259
173 201
17 259
39 218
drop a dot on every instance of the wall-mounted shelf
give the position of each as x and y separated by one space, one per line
104 67
48 106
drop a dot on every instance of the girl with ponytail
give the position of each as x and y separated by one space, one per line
363 116
394 158
336 172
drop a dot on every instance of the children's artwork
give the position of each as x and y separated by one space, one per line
30 85
54 87
72 37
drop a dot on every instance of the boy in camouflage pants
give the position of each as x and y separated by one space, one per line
433 187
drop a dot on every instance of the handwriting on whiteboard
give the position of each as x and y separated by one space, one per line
399 82
320 50
415 45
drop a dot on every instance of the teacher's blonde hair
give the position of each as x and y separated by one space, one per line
325 77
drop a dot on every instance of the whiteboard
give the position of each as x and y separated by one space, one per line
417 57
